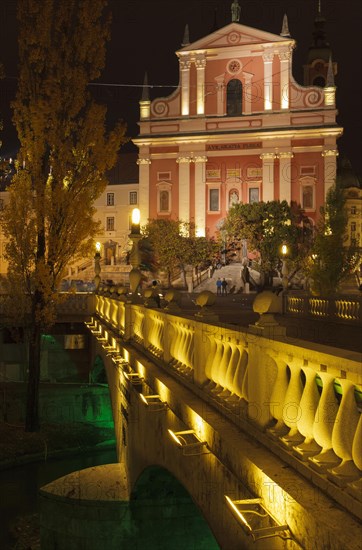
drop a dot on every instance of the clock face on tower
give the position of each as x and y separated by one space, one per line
234 66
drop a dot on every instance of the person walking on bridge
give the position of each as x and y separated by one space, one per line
224 286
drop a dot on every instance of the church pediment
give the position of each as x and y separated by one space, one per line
234 34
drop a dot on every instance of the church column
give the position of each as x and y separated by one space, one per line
284 56
200 63
268 79
183 162
268 176
185 85
200 206
285 189
144 188
330 168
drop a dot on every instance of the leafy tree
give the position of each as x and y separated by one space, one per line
175 245
331 261
64 155
267 226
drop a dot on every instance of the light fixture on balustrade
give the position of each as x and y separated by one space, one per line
255 520
134 378
189 442
153 403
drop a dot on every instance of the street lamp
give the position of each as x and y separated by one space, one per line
284 250
135 255
97 266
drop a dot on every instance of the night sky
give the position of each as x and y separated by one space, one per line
146 33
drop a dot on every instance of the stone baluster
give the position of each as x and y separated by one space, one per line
291 405
215 364
277 397
355 488
323 425
221 369
343 435
227 362
240 381
308 407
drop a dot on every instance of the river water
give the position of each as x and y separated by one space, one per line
178 524
19 486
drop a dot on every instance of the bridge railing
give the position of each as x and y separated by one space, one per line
339 308
306 400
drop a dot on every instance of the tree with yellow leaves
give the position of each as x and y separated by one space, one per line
64 155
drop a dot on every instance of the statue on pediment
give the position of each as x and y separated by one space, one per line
235 11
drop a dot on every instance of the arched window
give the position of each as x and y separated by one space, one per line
234 93
319 81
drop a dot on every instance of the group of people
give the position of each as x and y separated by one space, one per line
221 287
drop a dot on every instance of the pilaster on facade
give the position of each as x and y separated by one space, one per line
284 57
185 64
268 57
330 168
184 162
220 93
285 184
144 187
200 194
248 92
200 63
268 175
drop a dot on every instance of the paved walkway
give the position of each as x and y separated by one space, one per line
232 274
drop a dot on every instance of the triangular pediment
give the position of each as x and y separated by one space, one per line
234 34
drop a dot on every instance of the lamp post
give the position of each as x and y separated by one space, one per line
97 266
135 255
284 251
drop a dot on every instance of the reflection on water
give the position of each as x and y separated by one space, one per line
161 516
19 486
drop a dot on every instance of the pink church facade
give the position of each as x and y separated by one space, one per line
237 128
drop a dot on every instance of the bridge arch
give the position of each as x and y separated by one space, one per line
165 514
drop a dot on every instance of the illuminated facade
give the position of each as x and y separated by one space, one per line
238 128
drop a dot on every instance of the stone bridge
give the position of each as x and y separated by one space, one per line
263 431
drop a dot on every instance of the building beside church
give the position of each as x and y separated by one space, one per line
239 128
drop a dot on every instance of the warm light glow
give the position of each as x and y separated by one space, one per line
284 250
329 96
175 438
237 512
136 216
98 246
142 397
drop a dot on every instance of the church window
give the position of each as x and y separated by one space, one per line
110 199
164 201
214 200
319 81
353 227
234 98
353 210
307 196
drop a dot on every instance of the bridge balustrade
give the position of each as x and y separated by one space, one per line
341 308
305 399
